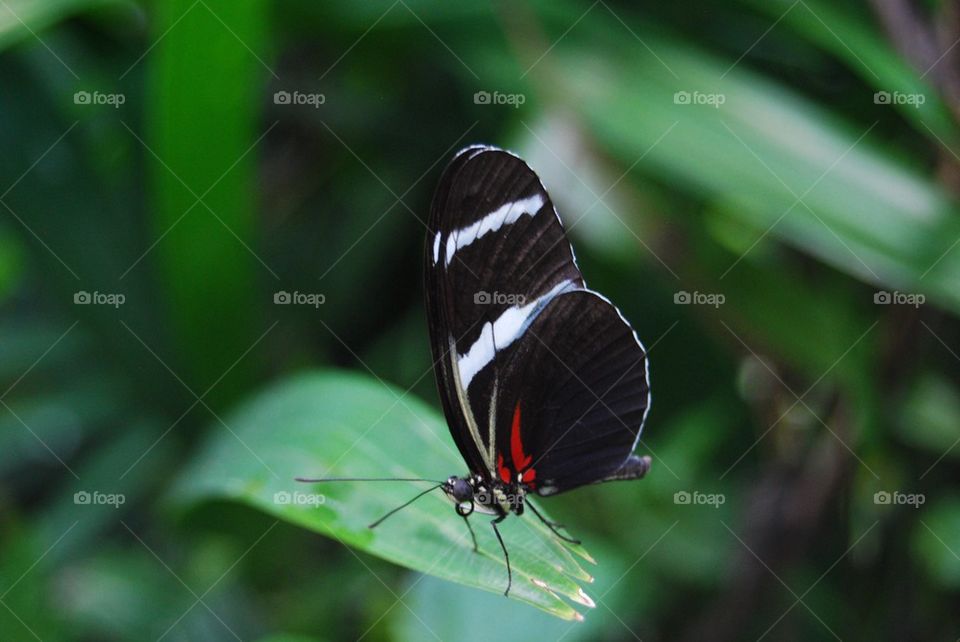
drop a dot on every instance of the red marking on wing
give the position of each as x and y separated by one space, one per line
504 471
521 460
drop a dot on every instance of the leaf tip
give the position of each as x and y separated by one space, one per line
585 599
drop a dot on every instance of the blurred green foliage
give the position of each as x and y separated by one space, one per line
797 158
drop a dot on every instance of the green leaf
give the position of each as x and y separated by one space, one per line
24 18
869 54
930 415
289 637
629 593
936 542
333 423
203 138
785 167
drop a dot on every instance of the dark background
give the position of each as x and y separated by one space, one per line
797 161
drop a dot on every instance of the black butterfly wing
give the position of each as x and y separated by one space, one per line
573 398
496 255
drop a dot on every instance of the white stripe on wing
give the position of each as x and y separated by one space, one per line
506 214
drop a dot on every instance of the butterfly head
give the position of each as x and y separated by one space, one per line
486 496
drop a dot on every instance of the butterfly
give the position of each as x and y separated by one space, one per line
544 384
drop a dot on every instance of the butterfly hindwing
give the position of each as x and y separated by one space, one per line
573 396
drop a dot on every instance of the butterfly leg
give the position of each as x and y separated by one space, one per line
553 526
472 535
506 555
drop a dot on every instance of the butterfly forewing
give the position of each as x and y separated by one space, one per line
495 251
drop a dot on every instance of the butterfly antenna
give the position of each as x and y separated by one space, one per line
405 504
364 479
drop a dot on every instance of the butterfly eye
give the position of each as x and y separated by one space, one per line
462 491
